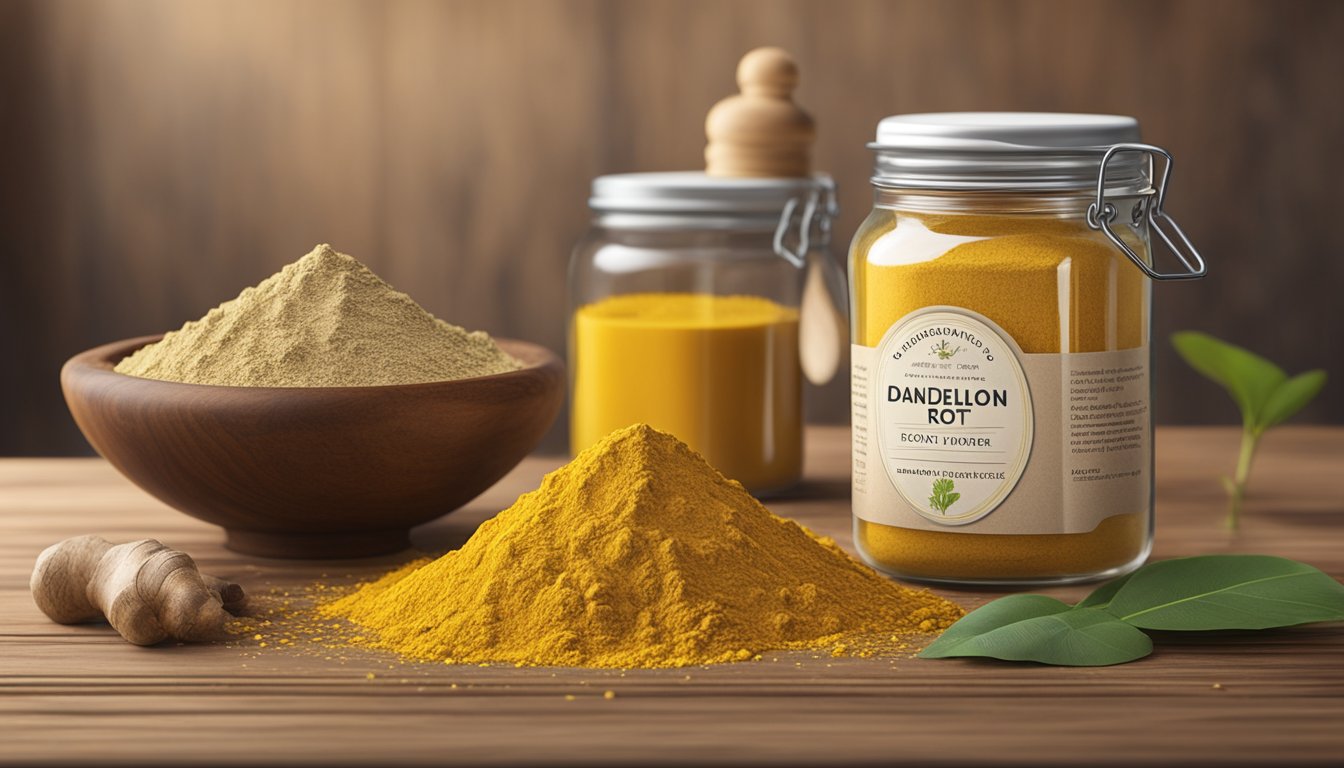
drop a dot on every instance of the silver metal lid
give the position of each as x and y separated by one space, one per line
1029 151
798 211
696 193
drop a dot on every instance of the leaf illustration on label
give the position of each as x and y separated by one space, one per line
945 351
943 495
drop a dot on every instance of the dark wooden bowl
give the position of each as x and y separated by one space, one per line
314 472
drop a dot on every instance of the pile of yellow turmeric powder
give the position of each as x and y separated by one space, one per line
638 554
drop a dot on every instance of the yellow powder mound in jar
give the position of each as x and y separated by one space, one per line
637 554
719 372
324 321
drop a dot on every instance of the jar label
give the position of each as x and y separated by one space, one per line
955 429
953 415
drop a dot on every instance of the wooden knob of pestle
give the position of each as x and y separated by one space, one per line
760 131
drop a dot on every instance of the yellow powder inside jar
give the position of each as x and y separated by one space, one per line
719 372
324 321
1054 286
637 554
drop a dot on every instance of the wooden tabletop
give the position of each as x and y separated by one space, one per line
70 694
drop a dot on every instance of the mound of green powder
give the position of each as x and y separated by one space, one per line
324 321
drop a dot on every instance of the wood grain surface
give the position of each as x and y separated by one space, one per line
163 154
83 695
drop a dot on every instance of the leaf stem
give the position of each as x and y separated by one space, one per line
1250 438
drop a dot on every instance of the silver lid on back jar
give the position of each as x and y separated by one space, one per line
798 210
1058 153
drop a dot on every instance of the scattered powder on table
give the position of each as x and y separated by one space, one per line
324 321
637 554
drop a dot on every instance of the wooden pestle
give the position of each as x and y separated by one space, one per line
761 132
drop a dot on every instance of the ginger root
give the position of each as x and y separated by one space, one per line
146 591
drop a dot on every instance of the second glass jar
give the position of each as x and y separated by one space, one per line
684 298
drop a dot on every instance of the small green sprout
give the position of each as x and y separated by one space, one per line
1265 394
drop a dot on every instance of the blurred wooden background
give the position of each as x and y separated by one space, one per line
160 155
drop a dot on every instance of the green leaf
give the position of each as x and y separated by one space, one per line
1075 637
1249 378
1291 397
1102 595
1209 592
1227 592
943 497
999 613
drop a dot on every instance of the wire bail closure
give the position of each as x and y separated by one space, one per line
1100 214
819 208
